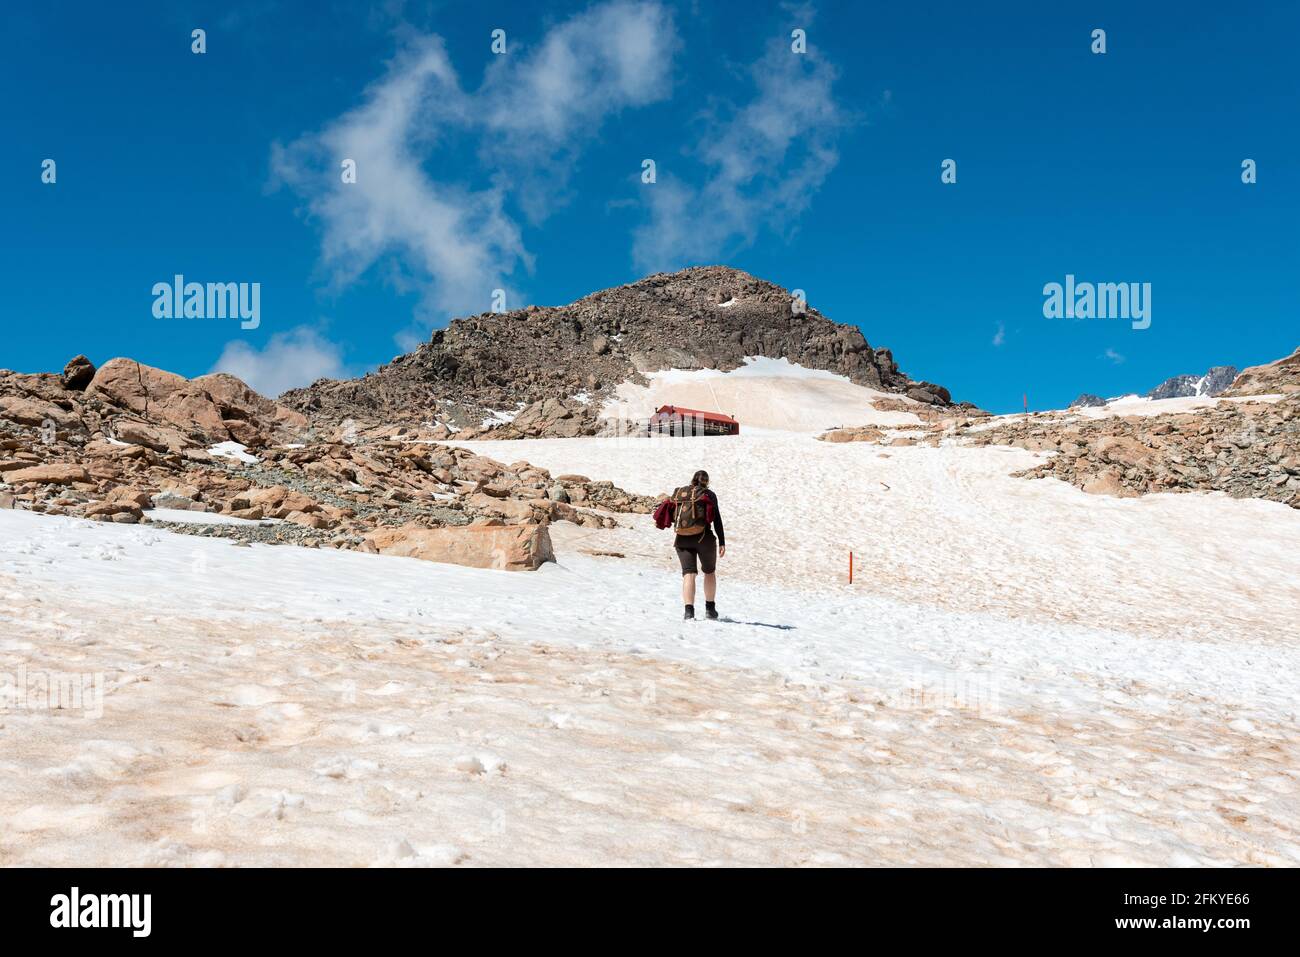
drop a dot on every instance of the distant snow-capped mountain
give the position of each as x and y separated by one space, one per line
1215 381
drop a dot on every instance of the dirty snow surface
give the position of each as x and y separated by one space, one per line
1019 674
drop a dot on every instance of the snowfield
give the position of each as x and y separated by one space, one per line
1019 674
765 393
950 527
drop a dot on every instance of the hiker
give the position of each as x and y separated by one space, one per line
693 513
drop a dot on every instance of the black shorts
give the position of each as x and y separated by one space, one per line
703 547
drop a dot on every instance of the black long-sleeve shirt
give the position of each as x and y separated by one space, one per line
688 540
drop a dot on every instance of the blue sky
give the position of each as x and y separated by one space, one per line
820 172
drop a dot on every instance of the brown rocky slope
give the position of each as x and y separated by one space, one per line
551 366
1280 377
116 443
1245 449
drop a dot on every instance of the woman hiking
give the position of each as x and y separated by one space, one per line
696 519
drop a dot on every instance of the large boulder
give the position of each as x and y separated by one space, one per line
281 502
214 408
511 509
929 393
861 433
237 401
52 474
503 547
1122 450
160 438
77 373
159 396
33 411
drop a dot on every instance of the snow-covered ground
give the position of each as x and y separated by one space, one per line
278 705
1020 673
950 527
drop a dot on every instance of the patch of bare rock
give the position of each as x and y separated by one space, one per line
937 422
1245 449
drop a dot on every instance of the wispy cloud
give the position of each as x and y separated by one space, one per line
1113 356
459 241
1000 336
766 160
539 105
288 360
527 118
612 56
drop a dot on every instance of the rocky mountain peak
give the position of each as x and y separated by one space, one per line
704 317
1218 379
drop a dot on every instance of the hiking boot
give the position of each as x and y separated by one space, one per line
710 611
690 613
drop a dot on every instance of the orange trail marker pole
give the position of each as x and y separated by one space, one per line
850 568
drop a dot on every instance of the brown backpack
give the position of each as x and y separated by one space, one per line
692 510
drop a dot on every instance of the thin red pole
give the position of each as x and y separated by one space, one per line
850 568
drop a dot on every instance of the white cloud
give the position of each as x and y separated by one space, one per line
458 241
288 360
612 56
1114 356
1000 336
533 108
767 159
539 105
